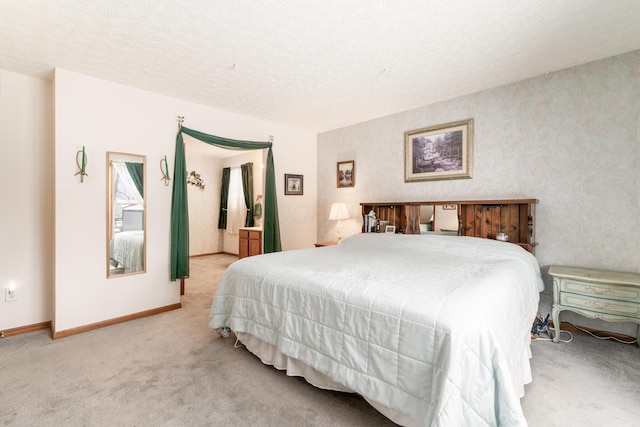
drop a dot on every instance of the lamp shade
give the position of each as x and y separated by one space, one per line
338 211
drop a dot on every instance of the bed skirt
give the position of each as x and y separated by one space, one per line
270 355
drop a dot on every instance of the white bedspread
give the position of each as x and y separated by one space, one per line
128 250
435 327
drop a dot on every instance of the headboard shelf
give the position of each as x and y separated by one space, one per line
477 218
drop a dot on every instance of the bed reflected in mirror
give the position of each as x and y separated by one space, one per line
126 214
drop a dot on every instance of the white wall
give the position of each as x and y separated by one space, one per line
572 141
204 203
104 116
26 216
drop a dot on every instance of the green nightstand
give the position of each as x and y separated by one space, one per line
599 294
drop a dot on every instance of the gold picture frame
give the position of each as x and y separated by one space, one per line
439 152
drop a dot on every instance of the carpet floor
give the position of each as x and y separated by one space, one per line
172 370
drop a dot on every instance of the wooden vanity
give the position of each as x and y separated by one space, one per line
250 241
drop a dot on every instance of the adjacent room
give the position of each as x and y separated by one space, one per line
320 213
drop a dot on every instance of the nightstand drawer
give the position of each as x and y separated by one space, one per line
600 290
600 305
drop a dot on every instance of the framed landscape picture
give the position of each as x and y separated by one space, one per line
439 152
346 174
293 185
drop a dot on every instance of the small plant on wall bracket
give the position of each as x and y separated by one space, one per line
194 179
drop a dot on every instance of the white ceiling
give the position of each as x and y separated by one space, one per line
313 64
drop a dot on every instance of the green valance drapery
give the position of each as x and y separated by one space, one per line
179 206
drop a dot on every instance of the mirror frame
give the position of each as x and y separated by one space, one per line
109 213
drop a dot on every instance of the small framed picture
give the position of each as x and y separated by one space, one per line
293 185
346 174
390 229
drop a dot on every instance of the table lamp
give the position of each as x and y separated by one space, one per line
338 212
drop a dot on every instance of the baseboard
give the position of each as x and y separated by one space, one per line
212 253
199 255
97 325
24 329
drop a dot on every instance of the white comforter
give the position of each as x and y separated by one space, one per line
128 250
435 327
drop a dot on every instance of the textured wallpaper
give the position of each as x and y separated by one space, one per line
570 140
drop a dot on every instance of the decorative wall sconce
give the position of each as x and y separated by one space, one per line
194 179
165 171
82 164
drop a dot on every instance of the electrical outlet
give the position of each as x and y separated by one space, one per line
10 295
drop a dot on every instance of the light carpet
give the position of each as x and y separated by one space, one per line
172 370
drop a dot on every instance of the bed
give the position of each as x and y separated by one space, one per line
127 250
430 329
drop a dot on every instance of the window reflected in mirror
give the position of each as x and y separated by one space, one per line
126 214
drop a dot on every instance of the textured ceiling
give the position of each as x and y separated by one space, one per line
312 64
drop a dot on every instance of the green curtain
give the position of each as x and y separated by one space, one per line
136 170
179 216
224 198
247 190
179 207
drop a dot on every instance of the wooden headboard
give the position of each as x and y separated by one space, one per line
476 218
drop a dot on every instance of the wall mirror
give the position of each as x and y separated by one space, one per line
126 214
442 219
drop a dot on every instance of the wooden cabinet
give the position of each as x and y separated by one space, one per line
250 242
599 294
476 218
486 220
